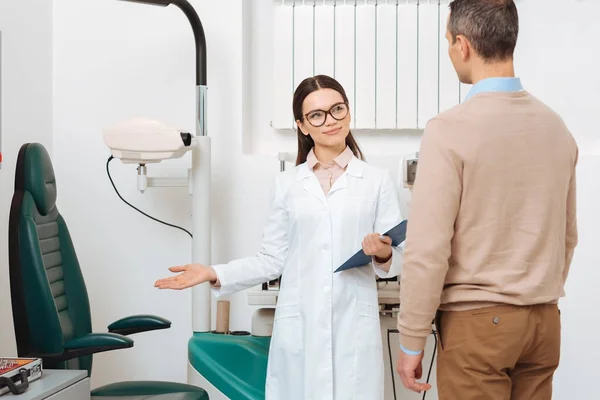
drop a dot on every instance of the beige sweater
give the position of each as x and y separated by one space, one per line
492 218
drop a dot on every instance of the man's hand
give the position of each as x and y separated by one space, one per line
410 368
377 246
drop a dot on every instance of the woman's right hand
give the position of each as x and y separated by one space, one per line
191 275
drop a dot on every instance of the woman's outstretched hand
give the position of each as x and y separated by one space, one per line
191 275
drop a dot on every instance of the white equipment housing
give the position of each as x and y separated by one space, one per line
409 169
144 141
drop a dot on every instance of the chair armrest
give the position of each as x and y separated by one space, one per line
99 342
96 343
138 323
91 343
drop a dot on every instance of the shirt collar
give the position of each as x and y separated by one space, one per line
504 84
342 160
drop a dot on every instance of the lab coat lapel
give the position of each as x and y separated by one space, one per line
340 183
354 169
310 182
312 186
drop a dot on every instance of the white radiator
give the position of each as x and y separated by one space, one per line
390 56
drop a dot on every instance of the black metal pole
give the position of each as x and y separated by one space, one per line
199 38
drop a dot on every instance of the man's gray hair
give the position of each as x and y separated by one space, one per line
492 26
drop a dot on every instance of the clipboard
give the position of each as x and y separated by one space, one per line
397 234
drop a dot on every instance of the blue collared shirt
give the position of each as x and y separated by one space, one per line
504 84
495 85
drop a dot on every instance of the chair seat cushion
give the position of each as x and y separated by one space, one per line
149 390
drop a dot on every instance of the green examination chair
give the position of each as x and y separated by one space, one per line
51 310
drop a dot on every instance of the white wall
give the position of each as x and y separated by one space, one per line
557 54
115 60
26 115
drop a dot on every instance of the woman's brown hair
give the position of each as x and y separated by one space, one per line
306 87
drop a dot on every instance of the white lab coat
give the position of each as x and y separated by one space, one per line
326 342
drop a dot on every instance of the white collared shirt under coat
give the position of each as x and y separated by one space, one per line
326 342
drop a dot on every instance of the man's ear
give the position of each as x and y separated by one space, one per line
464 47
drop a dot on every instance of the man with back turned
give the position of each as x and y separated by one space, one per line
492 226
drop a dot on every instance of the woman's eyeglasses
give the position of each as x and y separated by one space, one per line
318 117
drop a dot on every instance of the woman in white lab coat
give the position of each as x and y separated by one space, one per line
326 342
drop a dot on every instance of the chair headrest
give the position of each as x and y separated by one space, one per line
35 175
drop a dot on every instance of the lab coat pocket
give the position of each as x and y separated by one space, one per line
287 311
287 330
368 384
369 328
286 355
368 310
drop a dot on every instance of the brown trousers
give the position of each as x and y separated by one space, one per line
498 353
